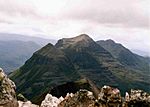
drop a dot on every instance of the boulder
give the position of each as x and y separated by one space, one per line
82 98
69 95
26 104
51 101
109 96
7 91
20 97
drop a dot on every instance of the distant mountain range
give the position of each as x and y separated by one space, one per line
71 59
25 38
13 54
142 53
15 49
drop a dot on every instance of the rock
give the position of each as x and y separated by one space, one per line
127 97
51 101
138 98
109 96
20 97
82 98
69 95
7 91
26 104
61 99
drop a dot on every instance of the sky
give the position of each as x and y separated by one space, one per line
125 21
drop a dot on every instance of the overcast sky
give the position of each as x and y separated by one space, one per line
125 21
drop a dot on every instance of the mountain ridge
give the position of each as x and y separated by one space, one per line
54 65
124 55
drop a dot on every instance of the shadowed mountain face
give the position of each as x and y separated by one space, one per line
125 56
72 59
47 68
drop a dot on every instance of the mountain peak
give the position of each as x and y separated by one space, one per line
83 39
82 36
110 41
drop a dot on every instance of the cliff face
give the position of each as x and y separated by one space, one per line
7 91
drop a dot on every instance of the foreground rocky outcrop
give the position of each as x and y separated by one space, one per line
7 91
108 97
8 96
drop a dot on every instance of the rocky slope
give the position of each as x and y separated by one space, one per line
72 59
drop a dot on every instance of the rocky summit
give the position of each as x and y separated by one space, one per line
7 91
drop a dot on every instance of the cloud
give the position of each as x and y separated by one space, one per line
126 21
122 13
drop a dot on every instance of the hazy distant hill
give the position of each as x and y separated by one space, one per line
15 49
25 38
72 59
142 53
125 56
13 54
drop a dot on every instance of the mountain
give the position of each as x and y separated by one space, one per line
13 54
25 38
125 56
47 68
72 59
